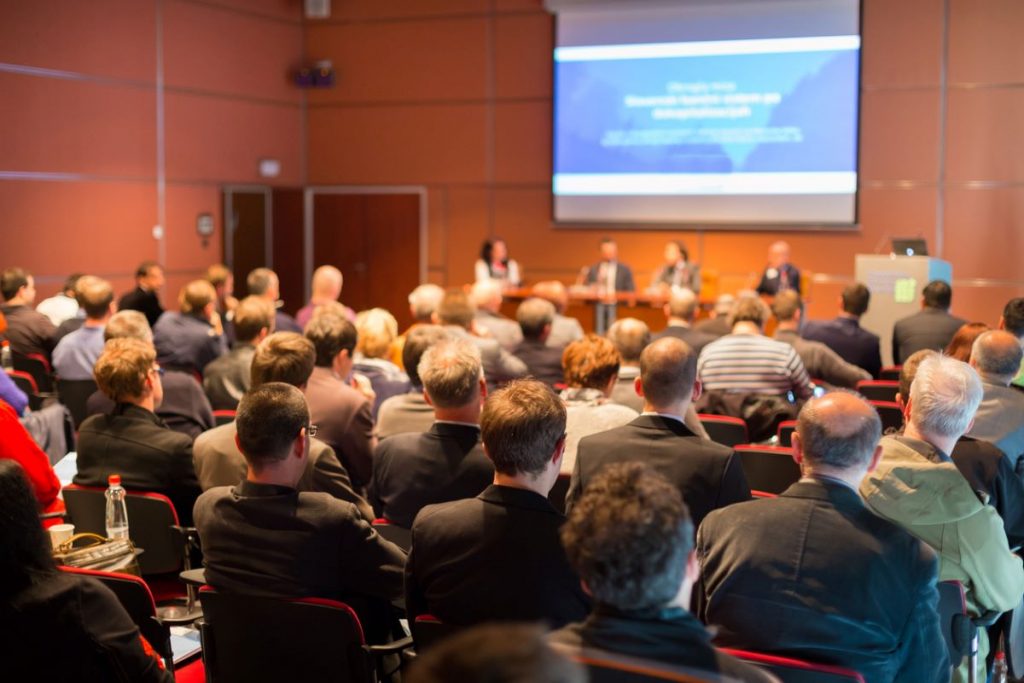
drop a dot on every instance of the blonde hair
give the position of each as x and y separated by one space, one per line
122 368
377 330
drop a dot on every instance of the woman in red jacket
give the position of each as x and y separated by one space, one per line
17 445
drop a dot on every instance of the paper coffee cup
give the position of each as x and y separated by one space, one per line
60 533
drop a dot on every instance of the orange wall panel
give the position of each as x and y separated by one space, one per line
289 10
349 10
889 58
899 135
185 249
522 55
522 142
984 238
984 41
468 228
985 141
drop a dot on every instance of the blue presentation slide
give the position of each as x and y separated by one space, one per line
765 116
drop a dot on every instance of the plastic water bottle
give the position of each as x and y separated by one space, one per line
117 511
6 362
999 669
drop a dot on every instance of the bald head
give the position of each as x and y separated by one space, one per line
629 336
668 369
682 304
327 282
996 354
778 254
838 431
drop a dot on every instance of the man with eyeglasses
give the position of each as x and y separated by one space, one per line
131 440
264 537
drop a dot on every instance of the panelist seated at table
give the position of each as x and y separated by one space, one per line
779 275
678 270
608 273
494 264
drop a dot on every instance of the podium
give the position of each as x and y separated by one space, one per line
896 283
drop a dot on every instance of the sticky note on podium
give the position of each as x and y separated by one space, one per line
904 290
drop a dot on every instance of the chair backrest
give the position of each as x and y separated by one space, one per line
791 670
27 384
785 433
878 389
137 600
559 491
1013 640
252 639
223 417
954 620
890 413
890 372
390 531
609 667
150 518
35 365
74 393
728 431
428 630
768 468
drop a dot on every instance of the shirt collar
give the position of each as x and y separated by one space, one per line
827 479
668 416
456 422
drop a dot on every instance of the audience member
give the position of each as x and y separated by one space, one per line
609 273
678 272
779 275
819 360
996 355
717 324
455 313
495 653
326 287
917 486
223 282
708 475
680 313
64 304
145 298
410 412
185 407
543 362
962 343
266 536
630 539
59 626
630 337
827 580
591 372
486 297
28 331
132 440
930 328
564 330
494 265
264 282
281 357
227 378
11 395
190 340
497 557
844 335
376 331
447 462
75 355
745 361
16 444
423 301
342 413
1012 320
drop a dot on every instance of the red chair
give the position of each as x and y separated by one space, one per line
754 493
797 670
428 630
36 365
728 431
878 389
390 531
768 468
609 667
27 384
890 372
785 433
223 417
253 639
890 413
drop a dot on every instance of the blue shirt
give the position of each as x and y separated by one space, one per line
11 394
77 352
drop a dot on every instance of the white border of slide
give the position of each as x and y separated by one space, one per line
589 53
586 184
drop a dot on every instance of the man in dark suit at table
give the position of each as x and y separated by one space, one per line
498 557
708 475
844 335
681 312
543 362
779 274
930 328
813 574
609 273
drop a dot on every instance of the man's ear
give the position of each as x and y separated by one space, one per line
238 443
875 457
426 397
638 387
692 567
556 457
698 390
798 450
483 389
299 447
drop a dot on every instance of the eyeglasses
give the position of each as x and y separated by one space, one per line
157 369
311 430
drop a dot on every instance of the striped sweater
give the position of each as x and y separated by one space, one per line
752 363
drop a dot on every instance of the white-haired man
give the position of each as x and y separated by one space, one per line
486 296
996 355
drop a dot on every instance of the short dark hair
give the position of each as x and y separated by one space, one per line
27 557
533 315
71 284
786 305
252 314
94 295
331 334
938 294
521 424
668 369
451 373
268 421
748 309
843 441
856 298
417 341
283 357
590 362
145 267
628 537
496 653
11 280
258 281
1013 316
455 309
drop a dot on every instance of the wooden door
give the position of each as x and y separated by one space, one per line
245 239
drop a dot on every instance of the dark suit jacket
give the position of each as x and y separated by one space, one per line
543 362
623 276
28 330
849 340
285 323
185 408
148 303
345 419
716 327
411 471
771 285
496 557
273 541
708 475
135 443
228 377
990 472
186 342
929 328
670 636
827 580
695 338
